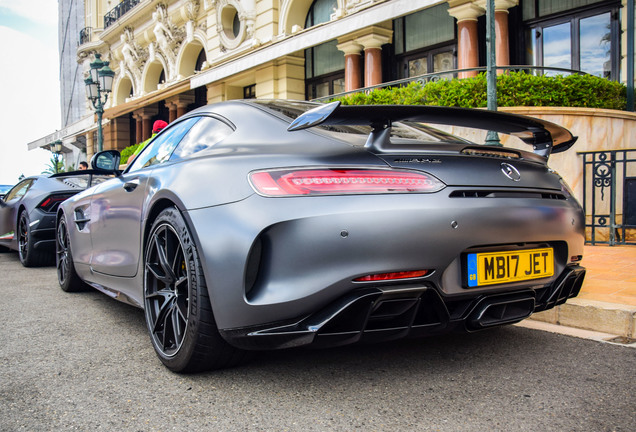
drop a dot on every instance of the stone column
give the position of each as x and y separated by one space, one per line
351 50
290 77
172 111
178 105
117 134
138 127
89 146
145 114
372 44
467 40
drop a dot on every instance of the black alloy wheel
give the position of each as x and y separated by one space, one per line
66 276
177 307
29 256
23 237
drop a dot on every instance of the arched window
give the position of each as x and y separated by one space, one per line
200 60
320 12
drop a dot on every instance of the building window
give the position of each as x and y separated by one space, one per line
541 8
585 39
320 11
424 42
249 92
324 70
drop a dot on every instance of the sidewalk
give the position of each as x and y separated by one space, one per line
607 301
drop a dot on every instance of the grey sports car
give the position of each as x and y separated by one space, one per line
260 224
27 213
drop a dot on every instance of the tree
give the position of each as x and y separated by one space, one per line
56 165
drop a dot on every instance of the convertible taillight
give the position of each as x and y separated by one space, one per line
51 203
342 182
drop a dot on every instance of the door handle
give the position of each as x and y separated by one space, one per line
131 185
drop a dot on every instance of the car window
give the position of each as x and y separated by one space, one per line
204 134
160 149
19 190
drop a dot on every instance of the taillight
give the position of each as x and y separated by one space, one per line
51 203
392 276
342 182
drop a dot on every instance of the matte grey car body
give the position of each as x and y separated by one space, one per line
200 233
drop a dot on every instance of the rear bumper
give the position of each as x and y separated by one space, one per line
272 260
381 314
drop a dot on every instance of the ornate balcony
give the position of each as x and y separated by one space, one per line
118 11
85 35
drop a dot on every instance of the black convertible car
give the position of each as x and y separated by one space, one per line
269 224
27 213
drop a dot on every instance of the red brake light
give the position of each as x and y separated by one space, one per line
51 203
392 276
342 181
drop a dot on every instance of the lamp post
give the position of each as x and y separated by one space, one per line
56 148
491 71
99 83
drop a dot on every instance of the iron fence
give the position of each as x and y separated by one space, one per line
609 196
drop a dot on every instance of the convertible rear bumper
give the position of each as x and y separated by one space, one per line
381 314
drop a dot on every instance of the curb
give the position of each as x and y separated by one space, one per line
616 319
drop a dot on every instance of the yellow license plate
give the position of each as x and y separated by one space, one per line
512 266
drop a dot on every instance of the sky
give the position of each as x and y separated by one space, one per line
29 84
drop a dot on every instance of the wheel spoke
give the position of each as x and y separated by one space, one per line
164 308
155 269
178 324
162 255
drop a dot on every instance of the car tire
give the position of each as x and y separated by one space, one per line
176 303
66 275
29 256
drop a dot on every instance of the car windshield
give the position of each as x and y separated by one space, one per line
405 130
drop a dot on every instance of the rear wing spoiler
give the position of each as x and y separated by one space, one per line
545 137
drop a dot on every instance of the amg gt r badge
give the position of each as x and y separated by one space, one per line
511 172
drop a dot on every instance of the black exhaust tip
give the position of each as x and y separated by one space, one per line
499 310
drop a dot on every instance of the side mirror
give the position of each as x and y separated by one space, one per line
106 160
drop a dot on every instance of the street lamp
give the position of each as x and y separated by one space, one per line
99 83
56 149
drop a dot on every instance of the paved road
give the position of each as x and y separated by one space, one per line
84 362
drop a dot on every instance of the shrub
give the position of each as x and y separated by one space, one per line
513 89
127 152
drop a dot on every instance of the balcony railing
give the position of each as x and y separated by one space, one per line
118 11
455 73
85 35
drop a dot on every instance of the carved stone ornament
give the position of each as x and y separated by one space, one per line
192 9
168 39
133 56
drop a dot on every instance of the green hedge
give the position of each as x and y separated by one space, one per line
127 152
513 89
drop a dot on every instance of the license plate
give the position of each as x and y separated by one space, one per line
512 266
